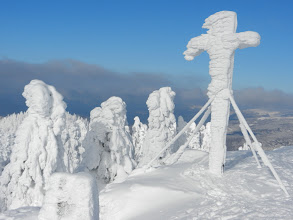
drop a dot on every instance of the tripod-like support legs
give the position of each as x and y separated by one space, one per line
246 131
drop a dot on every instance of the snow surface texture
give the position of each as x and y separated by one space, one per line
34 156
161 124
186 190
138 137
220 42
8 127
71 197
108 145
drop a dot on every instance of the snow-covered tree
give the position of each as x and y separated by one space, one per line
244 147
200 140
161 123
206 137
35 154
8 127
138 136
195 142
108 146
72 136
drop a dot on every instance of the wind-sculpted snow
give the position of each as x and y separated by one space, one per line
220 42
108 146
8 128
138 137
35 155
72 197
161 123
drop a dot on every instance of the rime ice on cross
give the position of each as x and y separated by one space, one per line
220 42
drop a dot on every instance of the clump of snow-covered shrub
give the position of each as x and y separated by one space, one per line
71 196
35 154
138 136
108 146
8 127
161 123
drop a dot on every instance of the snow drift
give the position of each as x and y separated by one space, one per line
187 190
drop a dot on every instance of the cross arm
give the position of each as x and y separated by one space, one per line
195 47
248 39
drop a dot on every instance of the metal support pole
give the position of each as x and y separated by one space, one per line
260 151
248 141
175 157
181 132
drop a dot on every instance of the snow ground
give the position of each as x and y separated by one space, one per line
186 190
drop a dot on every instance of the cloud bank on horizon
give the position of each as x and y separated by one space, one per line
84 86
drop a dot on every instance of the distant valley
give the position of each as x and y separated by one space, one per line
272 129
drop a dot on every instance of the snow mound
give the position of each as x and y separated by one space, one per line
72 197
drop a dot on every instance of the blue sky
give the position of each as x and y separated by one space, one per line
148 37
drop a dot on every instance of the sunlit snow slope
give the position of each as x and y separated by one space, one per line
187 191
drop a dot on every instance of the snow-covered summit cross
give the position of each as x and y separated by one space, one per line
220 42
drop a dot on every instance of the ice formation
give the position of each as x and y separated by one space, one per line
138 136
161 123
108 146
220 42
35 155
71 197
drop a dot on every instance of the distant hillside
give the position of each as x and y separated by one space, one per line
272 129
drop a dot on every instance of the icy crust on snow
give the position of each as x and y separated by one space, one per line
34 156
220 42
161 123
71 197
138 137
109 151
187 190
